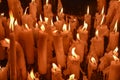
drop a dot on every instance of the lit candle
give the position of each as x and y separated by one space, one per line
56 72
31 76
113 39
100 4
59 6
61 14
72 77
114 69
95 41
42 50
92 65
58 45
73 63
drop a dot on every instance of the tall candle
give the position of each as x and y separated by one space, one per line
42 51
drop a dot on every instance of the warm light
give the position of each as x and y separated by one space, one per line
26 10
73 53
115 58
72 77
41 18
42 27
64 27
32 74
26 26
96 33
55 67
78 36
11 26
55 31
16 23
61 11
103 17
36 25
47 2
52 23
33 1
102 12
85 26
115 28
93 60
115 51
2 14
7 40
69 26
46 19
88 10
57 18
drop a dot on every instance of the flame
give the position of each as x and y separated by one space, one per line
55 31
36 25
73 53
16 23
47 2
72 77
52 23
115 28
102 12
93 60
78 36
11 26
57 18
69 26
32 0
7 40
26 10
103 17
42 27
32 74
88 10
115 58
96 33
55 67
46 19
64 27
26 26
116 50
2 14
61 11
85 26
41 18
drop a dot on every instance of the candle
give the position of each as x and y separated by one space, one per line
56 72
114 69
58 45
26 40
95 41
42 51
92 65
73 64
113 39
87 19
31 76
39 7
72 77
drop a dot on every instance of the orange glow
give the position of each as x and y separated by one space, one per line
103 17
72 77
52 23
33 1
42 27
96 33
7 40
115 58
32 74
88 10
73 53
78 36
85 26
47 2
36 25
46 19
54 66
2 14
57 18
102 12
26 26
16 23
61 11
115 27
26 10
55 31
115 52
41 18
11 26
93 60
69 26
64 27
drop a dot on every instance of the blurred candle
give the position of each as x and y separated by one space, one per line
72 77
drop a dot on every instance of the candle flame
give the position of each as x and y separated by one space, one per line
46 19
2 14
57 18
88 10
115 58
85 26
73 52
32 74
115 51
7 40
55 67
47 2
103 17
78 36
115 27
72 77
11 26
55 31
93 60
102 12
26 10
26 26
61 11
42 27
41 18
32 0
16 22
52 23
64 27
96 33
36 25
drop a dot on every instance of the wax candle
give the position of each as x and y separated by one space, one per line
114 69
33 9
72 77
42 51
113 39
26 40
87 19
73 63
56 72
95 41
58 45
92 65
